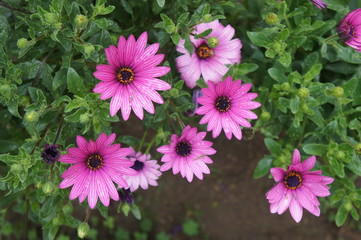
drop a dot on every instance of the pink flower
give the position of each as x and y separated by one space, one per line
298 188
187 154
319 4
226 105
147 171
96 165
131 79
210 62
349 29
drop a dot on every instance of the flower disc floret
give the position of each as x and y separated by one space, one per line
298 188
131 78
187 154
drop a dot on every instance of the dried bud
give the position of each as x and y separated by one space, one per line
213 42
126 196
83 230
271 19
50 154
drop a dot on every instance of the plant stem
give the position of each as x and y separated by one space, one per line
41 137
59 130
142 141
88 212
330 38
150 145
14 9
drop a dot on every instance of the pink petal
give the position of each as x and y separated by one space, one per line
102 189
105 76
112 56
296 210
277 173
309 163
93 195
285 202
296 157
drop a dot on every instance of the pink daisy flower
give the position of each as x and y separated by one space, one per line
298 188
319 3
96 165
209 62
147 171
226 105
131 78
349 29
187 154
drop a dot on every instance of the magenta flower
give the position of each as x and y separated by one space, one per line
349 29
147 171
209 61
187 154
226 105
96 165
298 188
319 4
131 79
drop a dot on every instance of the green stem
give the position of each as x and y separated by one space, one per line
330 38
150 145
59 130
181 123
142 140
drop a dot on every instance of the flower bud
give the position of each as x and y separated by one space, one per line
89 48
285 86
213 42
265 116
83 230
68 208
50 18
48 188
81 20
24 100
84 118
207 18
5 90
340 155
305 107
303 93
348 205
358 148
271 19
56 221
22 43
16 168
32 116
337 92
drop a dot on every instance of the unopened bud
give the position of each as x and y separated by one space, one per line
5 90
358 148
84 118
48 188
89 48
213 42
207 18
265 116
271 19
32 116
337 92
303 93
16 168
348 205
285 86
81 20
340 155
83 230
22 43
50 18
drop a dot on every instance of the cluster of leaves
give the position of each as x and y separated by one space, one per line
309 86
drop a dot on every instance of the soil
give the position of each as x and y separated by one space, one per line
228 204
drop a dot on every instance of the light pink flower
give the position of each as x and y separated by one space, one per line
226 105
298 188
319 3
187 154
349 29
130 79
206 61
96 165
147 171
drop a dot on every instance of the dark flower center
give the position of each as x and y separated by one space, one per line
346 31
94 162
223 104
183 148
50 154
125 75
138 165
293 180
204 51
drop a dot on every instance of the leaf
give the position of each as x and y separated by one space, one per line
161 3
263 167
259 39
277 75
7 146
136 212
285 59
205 33
189 45
246 68
341 216
75 83
295 104
13 107
315 149
355 164
127 7
190 227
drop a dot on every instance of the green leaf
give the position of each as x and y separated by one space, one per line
263 167
295 104
315 149
355 164
313 72
127 7
341 216
189 45
7 146
260 39
285 59
277 75
190 227
205 33
354 214
246 68
273 146
161 3
136 212
13 107
75 83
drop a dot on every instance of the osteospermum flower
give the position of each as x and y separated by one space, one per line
147 171
210 56
319 3
349 29
226 105
130 79
96 166
298 188
187 154
50 154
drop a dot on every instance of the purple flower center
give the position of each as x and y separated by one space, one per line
346 31
138 165
223 104
293 180
125 75
204 51
183 148
94 162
